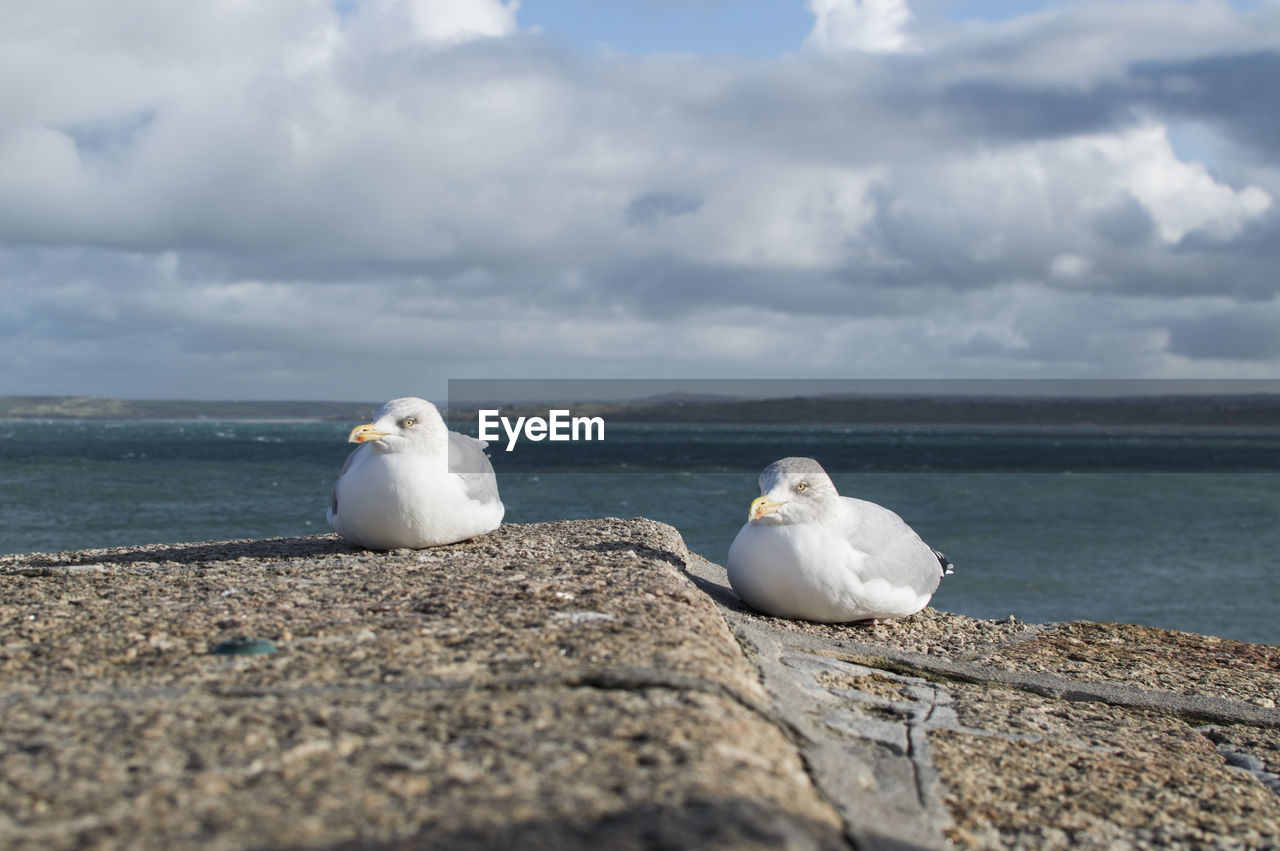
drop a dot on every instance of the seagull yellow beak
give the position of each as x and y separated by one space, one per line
761 506
362 433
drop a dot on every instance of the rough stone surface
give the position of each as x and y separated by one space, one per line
556 685
591 684
1025 771
1035 736
1150 658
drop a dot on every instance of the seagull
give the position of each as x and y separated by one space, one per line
413 483
808 553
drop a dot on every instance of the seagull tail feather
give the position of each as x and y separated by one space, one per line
945 563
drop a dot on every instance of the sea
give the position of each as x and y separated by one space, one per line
1169 527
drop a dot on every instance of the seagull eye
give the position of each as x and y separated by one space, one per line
800 487
408 422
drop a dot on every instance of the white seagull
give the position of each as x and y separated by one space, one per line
808 553
413 483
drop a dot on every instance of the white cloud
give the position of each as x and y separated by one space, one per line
444 20
436 21
768 215
1182 197
877 26
1071 211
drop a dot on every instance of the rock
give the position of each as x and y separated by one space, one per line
243 645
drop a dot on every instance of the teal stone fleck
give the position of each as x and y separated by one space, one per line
244 646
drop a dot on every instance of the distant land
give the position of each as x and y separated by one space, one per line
1238 411
95 408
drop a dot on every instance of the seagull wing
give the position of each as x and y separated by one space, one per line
469 461
895 552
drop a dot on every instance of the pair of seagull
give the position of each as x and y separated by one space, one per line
806 552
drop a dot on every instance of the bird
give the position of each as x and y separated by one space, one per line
808 553
413 483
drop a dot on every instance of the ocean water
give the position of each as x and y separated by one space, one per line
1170 528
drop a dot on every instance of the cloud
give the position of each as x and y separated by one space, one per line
1181 198
270 199
1219 90
430 21
1230 334
653 207
877 26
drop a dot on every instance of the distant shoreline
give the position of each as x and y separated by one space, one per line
178 410
1202 411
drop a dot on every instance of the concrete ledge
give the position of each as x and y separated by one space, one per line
592 684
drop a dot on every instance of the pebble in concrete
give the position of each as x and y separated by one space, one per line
243 646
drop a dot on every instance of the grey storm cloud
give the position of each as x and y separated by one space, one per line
653 207
264 201
1219 89
1233 335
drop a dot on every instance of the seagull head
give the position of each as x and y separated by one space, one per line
403 425
794 490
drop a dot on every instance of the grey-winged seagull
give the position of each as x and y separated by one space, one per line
808 553
413 483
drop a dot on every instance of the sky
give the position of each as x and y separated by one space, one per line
361 199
